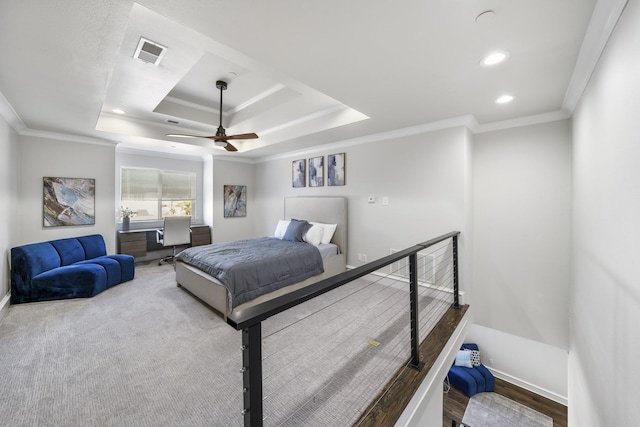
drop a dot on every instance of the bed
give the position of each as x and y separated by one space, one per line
325 210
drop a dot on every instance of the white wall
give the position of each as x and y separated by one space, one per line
522 232
532 365
424 176
521 254
605 310
9 205
230 172
44 157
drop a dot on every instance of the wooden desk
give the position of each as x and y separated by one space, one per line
139 242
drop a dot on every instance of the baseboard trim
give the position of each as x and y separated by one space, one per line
4 305
530 387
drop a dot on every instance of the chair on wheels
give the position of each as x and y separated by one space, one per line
176 232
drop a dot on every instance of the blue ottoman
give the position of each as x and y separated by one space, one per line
474 379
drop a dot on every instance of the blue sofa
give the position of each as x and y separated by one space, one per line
474 379
66 268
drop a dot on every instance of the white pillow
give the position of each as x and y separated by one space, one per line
314 235
463 358
328 230
281 228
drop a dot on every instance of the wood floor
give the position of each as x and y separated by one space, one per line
388 406
455 403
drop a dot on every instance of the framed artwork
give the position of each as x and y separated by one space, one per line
336 169
69 201
235 201
316 172
298 173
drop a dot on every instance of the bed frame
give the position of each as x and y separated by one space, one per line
329 210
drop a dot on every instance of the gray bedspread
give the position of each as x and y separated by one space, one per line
250 268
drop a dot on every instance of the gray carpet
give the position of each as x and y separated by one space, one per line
146 353
494 410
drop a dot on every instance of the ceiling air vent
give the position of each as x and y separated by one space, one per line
149 51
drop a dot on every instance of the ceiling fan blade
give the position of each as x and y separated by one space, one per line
243 136
230 147
182 135
216 137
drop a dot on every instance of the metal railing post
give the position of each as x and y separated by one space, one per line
456 297
252 374
413 296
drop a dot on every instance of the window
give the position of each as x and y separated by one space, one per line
153 193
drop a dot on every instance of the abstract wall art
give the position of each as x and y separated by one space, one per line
336 169
298 173
316 172
235 201
69 201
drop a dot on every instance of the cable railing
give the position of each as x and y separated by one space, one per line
429 270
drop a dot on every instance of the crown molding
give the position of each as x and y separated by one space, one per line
603 21
523 121
467 121
67 137
10 115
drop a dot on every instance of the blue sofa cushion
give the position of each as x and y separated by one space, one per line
70 250
489 379
35 258
460 378
127 265
26 262
70 281
93 246
111 267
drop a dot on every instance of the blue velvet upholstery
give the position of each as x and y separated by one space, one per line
473 380
111 268
69 281
66 268
70 250
127 266
93 246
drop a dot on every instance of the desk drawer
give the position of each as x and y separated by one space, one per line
132 243
200 235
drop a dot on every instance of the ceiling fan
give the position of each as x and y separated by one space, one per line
221 139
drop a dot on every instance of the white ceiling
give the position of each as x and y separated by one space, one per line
301 74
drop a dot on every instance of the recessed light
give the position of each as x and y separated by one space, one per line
504 99
118 111
494 58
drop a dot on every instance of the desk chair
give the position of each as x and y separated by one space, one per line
176 231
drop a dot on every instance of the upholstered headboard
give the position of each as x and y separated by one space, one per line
329 210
